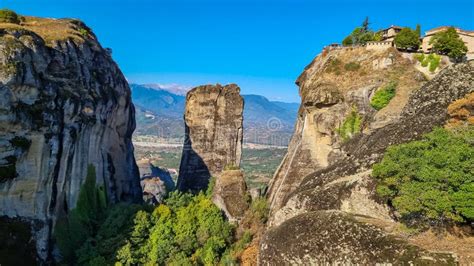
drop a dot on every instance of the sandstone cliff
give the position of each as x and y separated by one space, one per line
64 104
213 134
325 177
230 194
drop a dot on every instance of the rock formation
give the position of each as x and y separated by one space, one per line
64 104
230 194
323 205
213 134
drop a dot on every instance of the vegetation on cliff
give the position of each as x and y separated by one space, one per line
8 16
383 95
430 180
351 125
431 61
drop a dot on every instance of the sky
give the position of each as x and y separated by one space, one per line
261 45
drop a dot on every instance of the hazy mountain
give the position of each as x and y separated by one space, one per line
160 111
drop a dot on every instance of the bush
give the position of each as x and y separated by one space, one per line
352 66
231 167
351 125
334 66
449 43
407 39
432 178
8 16
260 209
434 62
420 57
383 96
348 41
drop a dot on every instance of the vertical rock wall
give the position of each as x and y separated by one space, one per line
213 137
64 104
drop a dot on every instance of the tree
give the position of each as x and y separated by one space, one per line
8 16
347 41
449 43
365 25
407 39
431 179
418 30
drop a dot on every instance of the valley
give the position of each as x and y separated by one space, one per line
259 161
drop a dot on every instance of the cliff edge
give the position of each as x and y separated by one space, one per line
64 105
325 178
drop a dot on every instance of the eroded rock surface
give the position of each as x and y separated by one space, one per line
64 104
336 238
325 177
230 194
213 137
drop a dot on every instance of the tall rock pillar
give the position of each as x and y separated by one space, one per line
213 138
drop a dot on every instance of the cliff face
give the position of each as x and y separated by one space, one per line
325 178
213 134
334 85
64 104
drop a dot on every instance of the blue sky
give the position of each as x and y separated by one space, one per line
261 45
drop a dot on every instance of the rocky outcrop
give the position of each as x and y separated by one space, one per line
324 185
330 91
213 134
335 238
230 194
64 104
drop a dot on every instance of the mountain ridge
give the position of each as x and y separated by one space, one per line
160 112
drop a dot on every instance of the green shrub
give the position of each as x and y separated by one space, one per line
231 167
8 16
334 66
383 96
260 209
83 32
20 142
351 125
352 66
420 57
434 62
431 179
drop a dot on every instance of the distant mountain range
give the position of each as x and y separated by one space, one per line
159 112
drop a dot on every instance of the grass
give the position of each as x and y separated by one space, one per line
383 96
50 30
334 66
351 125
352 66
